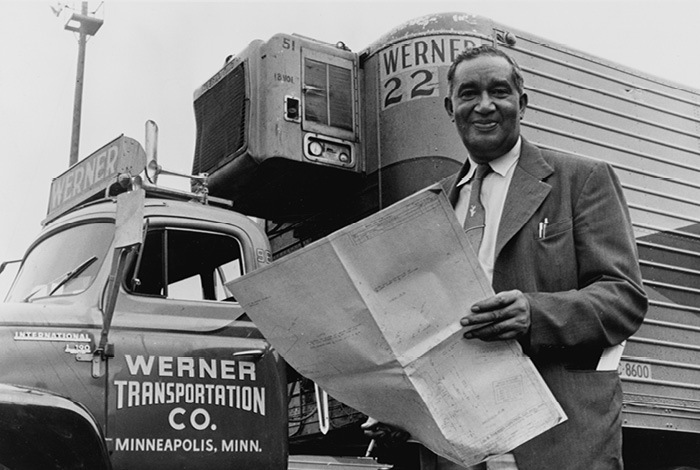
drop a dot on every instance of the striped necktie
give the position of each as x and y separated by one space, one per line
474 222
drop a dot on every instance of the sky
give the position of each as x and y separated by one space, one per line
149 57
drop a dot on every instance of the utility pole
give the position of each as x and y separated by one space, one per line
78 97
85 26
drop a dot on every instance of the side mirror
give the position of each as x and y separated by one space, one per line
129 225
152 167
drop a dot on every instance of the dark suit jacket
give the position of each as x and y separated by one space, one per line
585 292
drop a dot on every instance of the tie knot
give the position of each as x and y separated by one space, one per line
482 169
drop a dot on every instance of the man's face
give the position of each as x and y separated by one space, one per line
486 107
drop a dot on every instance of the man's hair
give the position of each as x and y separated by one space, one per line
485 50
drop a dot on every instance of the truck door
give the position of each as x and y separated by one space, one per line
192 381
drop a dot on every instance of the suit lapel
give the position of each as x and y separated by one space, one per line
525 194
451 184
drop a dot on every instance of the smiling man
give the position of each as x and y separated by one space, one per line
553 234
486 103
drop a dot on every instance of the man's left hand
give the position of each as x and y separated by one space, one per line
384 434
503 316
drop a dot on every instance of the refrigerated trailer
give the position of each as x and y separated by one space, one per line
312 136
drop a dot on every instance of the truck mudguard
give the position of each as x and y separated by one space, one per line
42 430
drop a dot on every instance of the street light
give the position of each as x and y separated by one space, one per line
85 25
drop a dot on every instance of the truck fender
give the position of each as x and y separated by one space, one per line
39 429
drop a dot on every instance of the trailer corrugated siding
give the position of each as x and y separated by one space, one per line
649 130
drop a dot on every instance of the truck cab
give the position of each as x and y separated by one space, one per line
141 344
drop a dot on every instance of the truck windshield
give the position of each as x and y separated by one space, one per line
64 263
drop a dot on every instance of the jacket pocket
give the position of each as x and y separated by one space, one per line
549 231
555 260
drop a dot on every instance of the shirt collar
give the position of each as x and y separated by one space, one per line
500 165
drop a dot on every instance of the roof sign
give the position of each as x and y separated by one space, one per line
94 174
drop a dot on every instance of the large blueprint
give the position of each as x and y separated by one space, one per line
371 314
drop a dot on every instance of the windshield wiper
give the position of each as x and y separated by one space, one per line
61 281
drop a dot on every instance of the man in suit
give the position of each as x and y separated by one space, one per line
555 238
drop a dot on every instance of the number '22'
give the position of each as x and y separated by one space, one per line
420 88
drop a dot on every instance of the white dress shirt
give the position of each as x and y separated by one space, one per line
493 196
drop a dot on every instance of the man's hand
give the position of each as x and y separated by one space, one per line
503 316
385 435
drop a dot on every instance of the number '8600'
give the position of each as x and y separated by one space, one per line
635 370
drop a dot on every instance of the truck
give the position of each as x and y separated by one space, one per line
119 329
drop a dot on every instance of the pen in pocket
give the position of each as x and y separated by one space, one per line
543 228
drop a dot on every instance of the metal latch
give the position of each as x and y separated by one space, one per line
98 359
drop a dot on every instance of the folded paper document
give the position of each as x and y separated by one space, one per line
371 313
